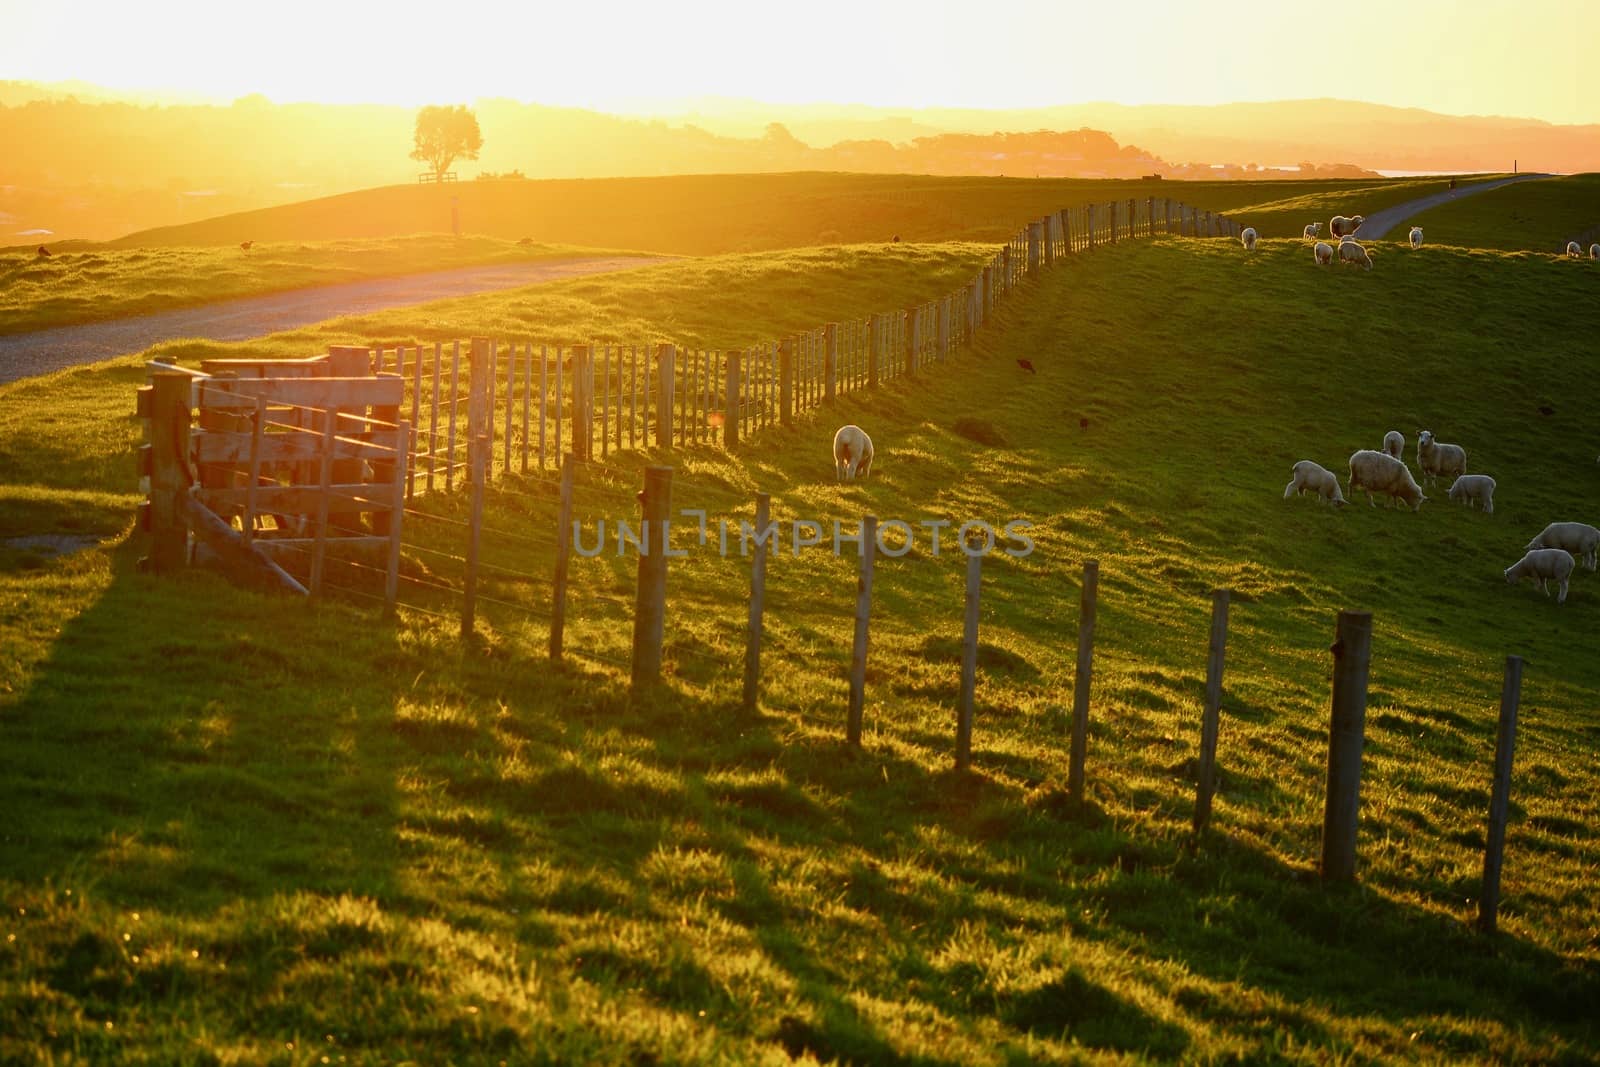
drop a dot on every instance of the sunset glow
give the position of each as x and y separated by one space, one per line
654 58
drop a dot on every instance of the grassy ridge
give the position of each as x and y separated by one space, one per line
319 834
710 214
1538 216
101 283
1287 217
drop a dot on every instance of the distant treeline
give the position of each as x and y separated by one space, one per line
101 169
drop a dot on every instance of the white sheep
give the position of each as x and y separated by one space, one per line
852 452
1339 225
1573 250
1324 253
1394 443
1594 251
1542 565
1313 231
1416 237
1247 237
1435 460
1380 471
1318 479
1350 252
1579 538
1476 489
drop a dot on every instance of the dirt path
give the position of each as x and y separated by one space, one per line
25 354
1380 223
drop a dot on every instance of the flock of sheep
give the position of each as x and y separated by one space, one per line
1350 251
1550 555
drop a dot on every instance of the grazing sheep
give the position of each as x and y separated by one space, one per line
1313 231
1394 443
1339 225
1324 253
1318 479
1247 237
1476 489
852 452
1594 251
1350 252
1416 237
1380 471
1435 460
1579 538
1573 250
1542 565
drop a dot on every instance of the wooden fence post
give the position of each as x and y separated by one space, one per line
911 340
1111 210
969 662
558 603
1047 224
987 295
944 327
858 649
1352 656
1088 213
758 596
1080 688
1211 714
1066 231
170 421
666 355
830 360
478 449
583 401
1500 798
319 550
875 340
650 607
732 401
1005 269
1034 251
786 381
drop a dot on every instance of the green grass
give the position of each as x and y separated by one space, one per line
246 831
1536 216
100 283
717 213
1320 201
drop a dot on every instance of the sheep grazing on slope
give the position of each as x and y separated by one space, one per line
1476 489
1416 237
1394 443
1247 237
1318 479
1435 460
1324 253
1543 565
1579 538
1573 250
852 452
1313 231
1350 252
1594 251
1380 471
1338 226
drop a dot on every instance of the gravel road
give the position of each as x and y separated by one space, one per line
25 354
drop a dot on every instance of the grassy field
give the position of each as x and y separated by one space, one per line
1287 216
99 283
711 214
248 832
1535 216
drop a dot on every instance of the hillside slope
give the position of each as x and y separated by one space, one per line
714 213
481 851
1532 216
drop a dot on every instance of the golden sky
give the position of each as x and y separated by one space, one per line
1523 58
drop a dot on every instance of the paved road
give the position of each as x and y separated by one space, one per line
1380 223
25 354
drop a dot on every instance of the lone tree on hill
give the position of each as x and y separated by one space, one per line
445 134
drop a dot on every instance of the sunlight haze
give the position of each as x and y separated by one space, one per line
1488 58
